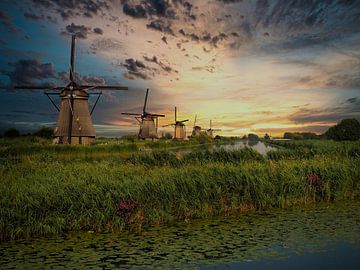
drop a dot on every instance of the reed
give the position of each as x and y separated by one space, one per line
40 198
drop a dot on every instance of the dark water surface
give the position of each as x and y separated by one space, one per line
314 237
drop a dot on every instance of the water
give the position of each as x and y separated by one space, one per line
316 237
258 146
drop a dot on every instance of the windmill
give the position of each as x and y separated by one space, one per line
210 131
74 124
196 129
148 121
180 130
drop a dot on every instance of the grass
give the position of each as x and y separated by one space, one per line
44 193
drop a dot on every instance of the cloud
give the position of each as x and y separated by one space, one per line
71 8
33 17
106 45
157 8
163 66
27 72
349 109
81 31
98 31
6 22
135 11
160 25
136 69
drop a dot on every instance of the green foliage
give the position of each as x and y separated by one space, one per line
253 137
44 132
50 189
204 138
347 129
166 136
300 135
11 133
130 137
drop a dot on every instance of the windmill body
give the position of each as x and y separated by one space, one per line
148 122
179 128
82 129
180 131
210 131
148 129
74 124
196 129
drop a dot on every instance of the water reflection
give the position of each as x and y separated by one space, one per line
222 242
258 146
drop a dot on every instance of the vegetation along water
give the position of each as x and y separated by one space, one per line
52 189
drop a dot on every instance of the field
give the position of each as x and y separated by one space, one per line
120 185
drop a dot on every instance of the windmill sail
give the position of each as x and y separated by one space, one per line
74 124
148 121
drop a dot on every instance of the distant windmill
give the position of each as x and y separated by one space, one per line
210 131
180 131
148 122
74 124
196 129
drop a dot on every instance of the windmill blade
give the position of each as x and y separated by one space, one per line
184 121
195 120
125 113
72 58
146 97
175 114
105 87
34 87
156 115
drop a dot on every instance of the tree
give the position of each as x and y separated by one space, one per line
11 133
166 136
346 130
44 132
253 137
267 136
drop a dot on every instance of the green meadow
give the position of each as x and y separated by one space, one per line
117 185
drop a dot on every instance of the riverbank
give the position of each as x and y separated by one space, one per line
45 194
321 236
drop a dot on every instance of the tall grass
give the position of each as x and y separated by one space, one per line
51 198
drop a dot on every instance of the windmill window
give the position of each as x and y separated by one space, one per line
80 140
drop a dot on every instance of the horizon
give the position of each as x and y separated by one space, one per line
248 66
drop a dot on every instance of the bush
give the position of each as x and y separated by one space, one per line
346 130
11 133
44 132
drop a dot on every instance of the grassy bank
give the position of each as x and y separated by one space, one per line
42 195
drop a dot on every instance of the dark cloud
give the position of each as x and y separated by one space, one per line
160 25
136 69
4 16
6 22
98 31
29 71
164 39
161 64
81 31
352 100
158 9
347 109
72 8
135 11
33 17
206 37
230 1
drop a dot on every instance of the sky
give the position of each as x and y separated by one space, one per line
251 66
